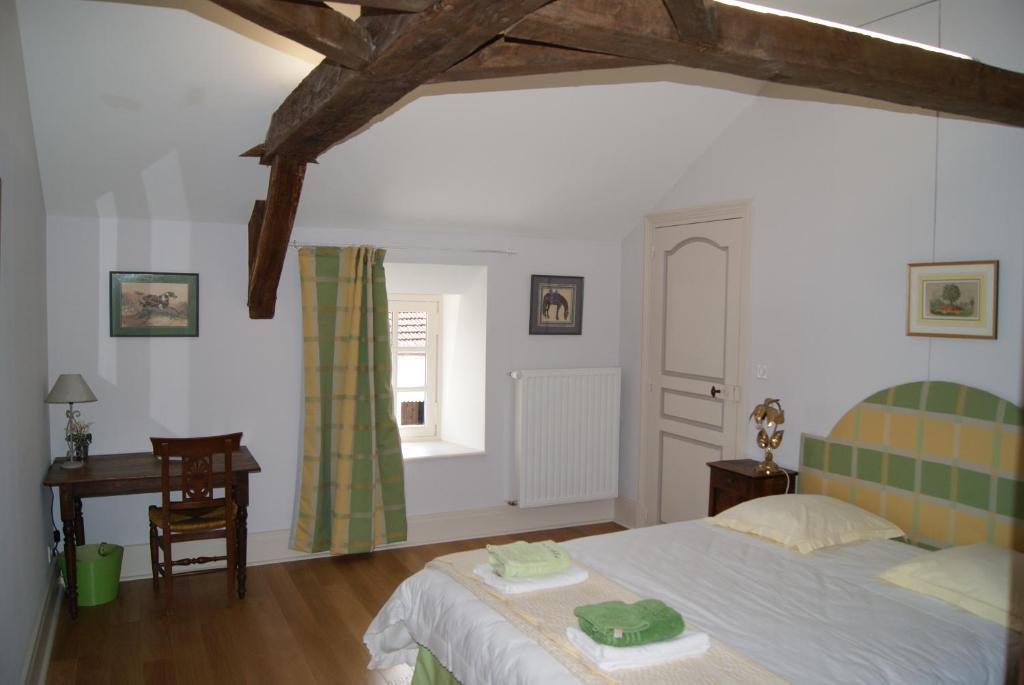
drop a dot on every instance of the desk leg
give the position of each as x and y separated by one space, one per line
79 523
69 519
242 529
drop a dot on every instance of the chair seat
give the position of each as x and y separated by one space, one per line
181 521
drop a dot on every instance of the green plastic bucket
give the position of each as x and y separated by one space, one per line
99 572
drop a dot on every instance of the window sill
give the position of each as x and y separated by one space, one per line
436 449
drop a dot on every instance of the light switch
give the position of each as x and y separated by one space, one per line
762 371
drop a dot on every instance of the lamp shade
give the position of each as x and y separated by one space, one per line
70 387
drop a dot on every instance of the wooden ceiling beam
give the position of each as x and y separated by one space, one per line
394 5
504 58
452 40
314 25
694 19
275 219
786 50
259 209
332 103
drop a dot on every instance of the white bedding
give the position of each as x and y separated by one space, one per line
818 618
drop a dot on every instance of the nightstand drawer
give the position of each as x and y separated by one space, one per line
730 482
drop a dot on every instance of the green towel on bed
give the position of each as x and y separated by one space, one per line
628 625
523 559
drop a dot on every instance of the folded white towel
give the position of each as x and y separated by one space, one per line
514 586
609 658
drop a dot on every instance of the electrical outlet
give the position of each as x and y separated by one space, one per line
762 371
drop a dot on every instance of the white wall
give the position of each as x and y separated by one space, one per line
244 375
844 196
630 346
24 455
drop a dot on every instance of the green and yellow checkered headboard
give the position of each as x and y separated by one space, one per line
942 461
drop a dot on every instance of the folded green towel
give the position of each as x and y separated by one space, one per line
628 625
523 559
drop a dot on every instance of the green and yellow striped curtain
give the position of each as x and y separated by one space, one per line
351 485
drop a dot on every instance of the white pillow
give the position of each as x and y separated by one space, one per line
978 578
806 522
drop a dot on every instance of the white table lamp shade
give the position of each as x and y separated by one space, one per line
70 387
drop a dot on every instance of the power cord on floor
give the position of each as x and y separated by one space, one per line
56 532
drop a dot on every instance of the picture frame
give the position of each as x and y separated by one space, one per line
154 304
953 299
556 305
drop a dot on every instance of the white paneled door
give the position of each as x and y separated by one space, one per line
694 312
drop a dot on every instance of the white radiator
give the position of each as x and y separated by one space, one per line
566 435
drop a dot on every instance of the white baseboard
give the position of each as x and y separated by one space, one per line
38 662
271 547
625 512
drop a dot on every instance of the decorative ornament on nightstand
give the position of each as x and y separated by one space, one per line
768 416
71 388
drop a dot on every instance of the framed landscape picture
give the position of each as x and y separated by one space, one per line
953 299
556 305
150 304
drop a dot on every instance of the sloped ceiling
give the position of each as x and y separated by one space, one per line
141 110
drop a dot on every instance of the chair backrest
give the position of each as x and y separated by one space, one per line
196 480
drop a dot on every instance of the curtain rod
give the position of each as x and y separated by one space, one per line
508 253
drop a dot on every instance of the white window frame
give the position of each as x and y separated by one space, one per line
431 305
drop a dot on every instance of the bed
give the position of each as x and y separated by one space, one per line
814 618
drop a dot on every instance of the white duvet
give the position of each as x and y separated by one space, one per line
823 617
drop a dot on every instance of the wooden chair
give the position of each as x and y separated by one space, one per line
198 515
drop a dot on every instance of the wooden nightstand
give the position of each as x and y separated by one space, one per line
737 480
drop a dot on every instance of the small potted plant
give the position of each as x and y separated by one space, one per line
80 438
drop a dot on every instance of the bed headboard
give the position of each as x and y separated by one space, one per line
944 462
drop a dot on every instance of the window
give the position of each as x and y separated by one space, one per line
440 356
414 321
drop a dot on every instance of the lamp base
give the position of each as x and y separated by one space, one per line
72 464
768 467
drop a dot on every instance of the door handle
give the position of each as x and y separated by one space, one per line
715 391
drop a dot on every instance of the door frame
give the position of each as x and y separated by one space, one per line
649 466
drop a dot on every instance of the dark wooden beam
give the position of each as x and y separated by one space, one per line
504 58
254 151
694 19
332 102
259 209
314 25
395 5
787 50
451 40
272 240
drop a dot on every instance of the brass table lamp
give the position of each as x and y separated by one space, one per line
768 416
71 388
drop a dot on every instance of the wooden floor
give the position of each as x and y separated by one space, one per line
302 622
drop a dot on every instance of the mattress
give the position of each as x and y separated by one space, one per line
816 618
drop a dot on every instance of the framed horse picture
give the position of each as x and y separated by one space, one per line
149 304
556 305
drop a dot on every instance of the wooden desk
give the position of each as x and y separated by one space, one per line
105 475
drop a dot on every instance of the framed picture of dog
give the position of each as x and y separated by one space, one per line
556 305
152 304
